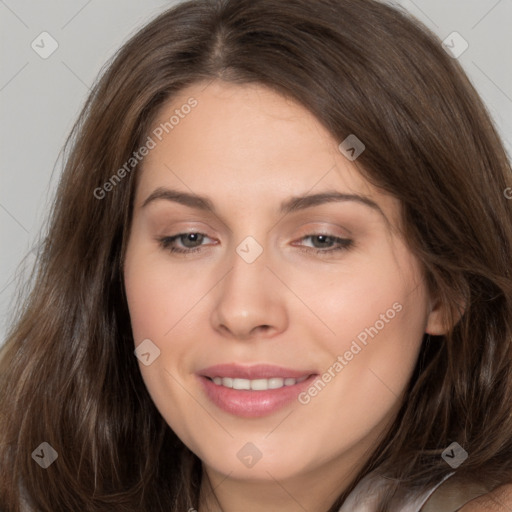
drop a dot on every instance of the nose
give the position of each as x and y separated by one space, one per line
250 301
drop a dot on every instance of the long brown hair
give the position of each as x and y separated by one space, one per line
68 373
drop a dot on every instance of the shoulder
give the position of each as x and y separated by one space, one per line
499 500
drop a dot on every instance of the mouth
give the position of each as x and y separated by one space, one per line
253 372
253 391
256 384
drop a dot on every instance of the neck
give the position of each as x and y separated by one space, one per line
315 491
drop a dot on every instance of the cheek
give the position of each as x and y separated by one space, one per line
379 321
383 309
147 305
155 294
384 298
360 389
158 312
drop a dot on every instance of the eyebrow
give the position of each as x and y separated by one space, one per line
290 205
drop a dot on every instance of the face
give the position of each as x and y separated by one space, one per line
321 291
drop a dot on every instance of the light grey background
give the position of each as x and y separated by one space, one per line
40 98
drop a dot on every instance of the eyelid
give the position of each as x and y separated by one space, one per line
341 243
325 228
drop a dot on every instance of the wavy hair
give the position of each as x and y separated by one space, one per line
68 375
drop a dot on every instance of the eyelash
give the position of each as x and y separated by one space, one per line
343 243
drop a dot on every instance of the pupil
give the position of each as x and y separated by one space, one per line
322 238
188 237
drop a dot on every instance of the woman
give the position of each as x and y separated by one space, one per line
265 202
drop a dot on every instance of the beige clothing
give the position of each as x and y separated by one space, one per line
446 496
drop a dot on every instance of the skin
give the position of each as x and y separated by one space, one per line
248 149
499 500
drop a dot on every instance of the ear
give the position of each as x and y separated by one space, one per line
442 318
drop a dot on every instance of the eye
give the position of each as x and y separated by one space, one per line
326 243
191 242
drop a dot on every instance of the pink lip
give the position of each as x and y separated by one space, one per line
258 371
249 403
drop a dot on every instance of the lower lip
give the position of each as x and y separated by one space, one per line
252 404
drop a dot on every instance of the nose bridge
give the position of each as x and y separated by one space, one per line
249 298
246 284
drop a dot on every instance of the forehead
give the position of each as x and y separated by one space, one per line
249 143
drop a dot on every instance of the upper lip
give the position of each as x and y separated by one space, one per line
257 371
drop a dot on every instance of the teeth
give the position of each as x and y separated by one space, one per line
257 384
